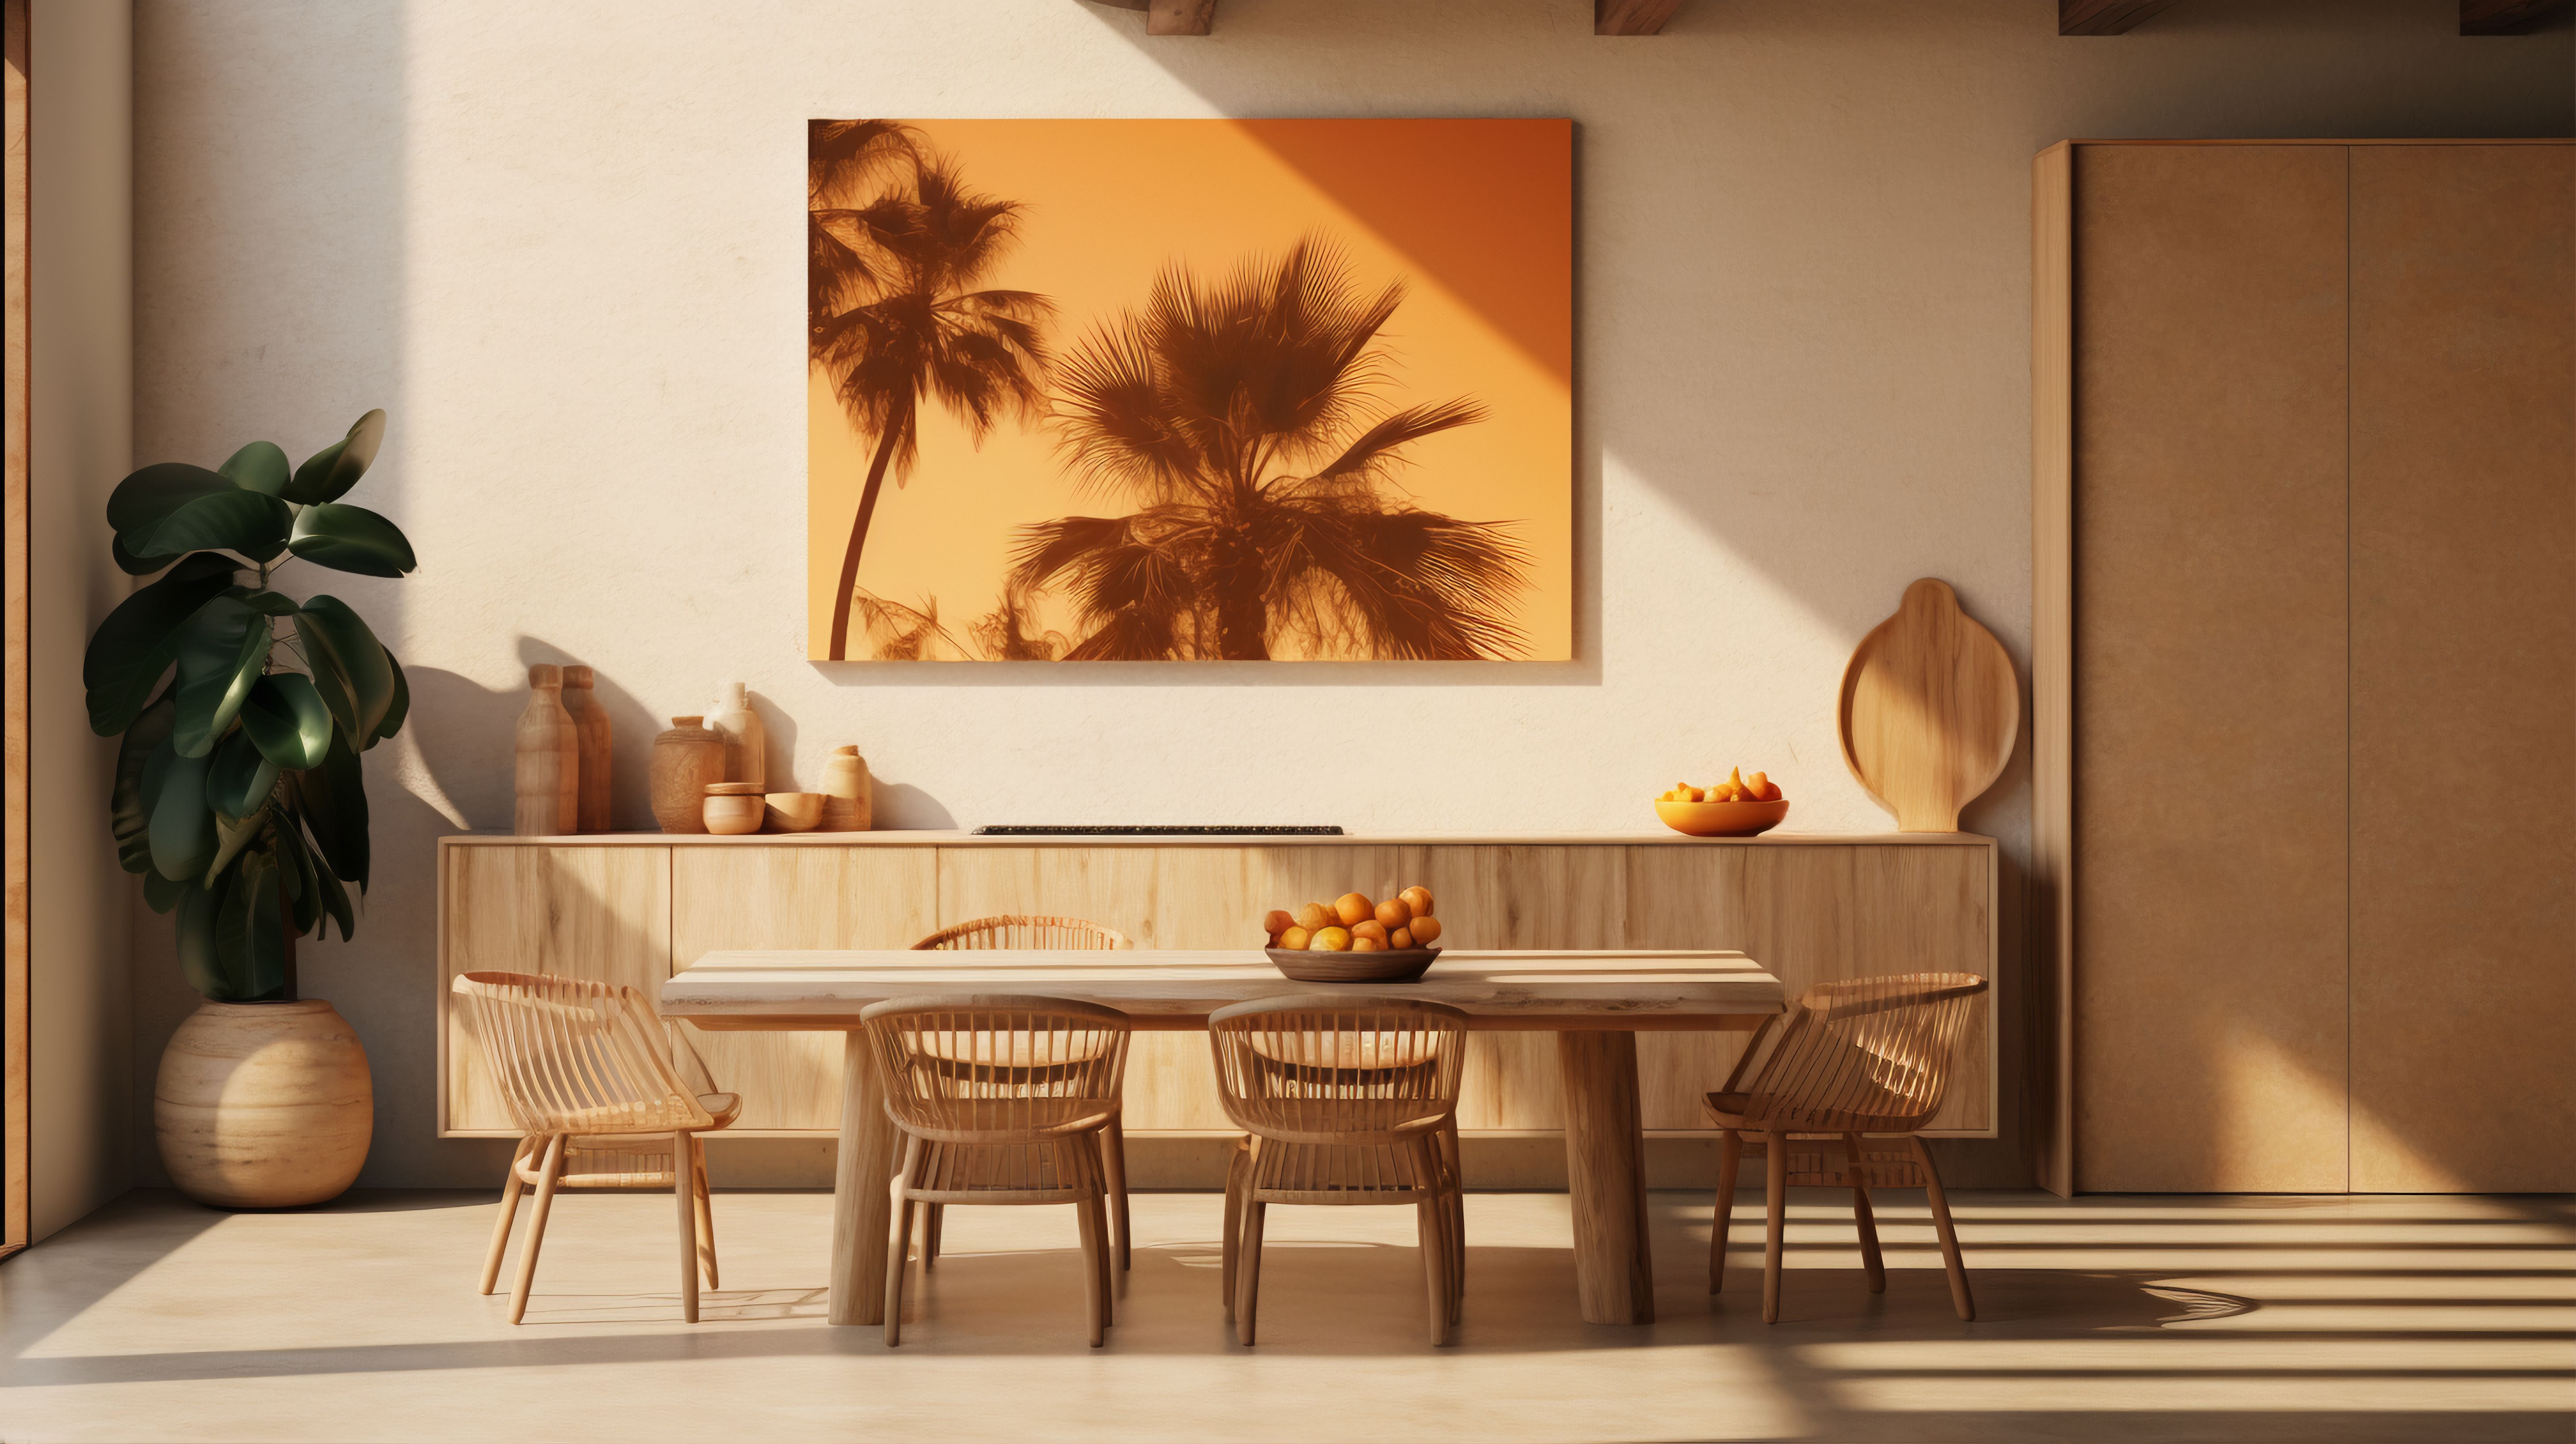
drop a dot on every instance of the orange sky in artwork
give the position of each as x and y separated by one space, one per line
1475 217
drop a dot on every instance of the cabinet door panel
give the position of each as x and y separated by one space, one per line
1523 897
599 913
2463 668
1684 897
793 897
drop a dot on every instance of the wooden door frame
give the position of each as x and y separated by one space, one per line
14 1112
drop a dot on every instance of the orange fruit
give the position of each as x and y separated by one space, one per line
1277 922
1372 929
1331 940
1399 939
1313 916
1294 939
1394 913
1367 945
1419 899
1425 930
1352 907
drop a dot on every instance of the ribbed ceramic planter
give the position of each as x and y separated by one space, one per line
263 1105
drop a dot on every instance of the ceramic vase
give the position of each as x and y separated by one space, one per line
590 726
746 741
263 1105
547 775
685 760
849 794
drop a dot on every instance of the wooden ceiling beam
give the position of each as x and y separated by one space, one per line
1632 17
2106 17
1172 17
2506 17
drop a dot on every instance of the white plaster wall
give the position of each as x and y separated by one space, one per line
81 1090
559 243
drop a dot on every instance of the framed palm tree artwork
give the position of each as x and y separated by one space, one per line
1189 390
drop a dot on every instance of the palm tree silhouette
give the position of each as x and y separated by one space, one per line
895 315
1228 411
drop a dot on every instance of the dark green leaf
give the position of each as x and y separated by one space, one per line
161 892
221 652
287 720
196 926
137 642
129 563
183 826
359 689
240 779
351 539
129 811
250 938
333 798
335 902
328 474
260 466
270 604
250 522
143 500
401 708
232 834
295 860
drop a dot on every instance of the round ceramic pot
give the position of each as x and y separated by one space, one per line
263 1105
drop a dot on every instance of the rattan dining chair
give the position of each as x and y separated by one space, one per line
1854 1058
594 1080
1021 931
1001 1099
1348 1099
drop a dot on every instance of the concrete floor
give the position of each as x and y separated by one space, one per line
2329 1319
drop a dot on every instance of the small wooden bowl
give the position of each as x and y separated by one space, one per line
731 813
1722 819
1394 965
793 811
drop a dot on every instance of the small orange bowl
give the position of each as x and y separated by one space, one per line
1722 819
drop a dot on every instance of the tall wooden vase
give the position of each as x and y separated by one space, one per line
849 794
746 741
685 760
548 772
590 725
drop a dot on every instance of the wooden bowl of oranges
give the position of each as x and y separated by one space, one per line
1354 940
1740 806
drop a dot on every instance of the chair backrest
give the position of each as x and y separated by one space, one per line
997 1067
1876 1049
1339 1067
571 1055
1011 930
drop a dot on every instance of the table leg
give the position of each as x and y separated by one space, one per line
1605 1158
860 1203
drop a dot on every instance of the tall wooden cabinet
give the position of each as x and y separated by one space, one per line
2305 663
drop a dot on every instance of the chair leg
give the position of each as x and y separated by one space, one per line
1086 1215
1730 1158
1429 1224
1102 1264
1775 1199
510 1189
549 1172
1113 1159
932 1216
1871 1262
1247 1304
706 1208
1231 1238
899 1241
684 1191
1457 1210
1950 1258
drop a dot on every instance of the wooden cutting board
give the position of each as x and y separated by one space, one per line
1929 710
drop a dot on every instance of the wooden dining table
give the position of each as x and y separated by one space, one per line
1595 1002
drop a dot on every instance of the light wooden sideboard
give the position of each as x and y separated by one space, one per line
634 908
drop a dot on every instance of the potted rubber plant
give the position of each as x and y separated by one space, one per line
239 797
